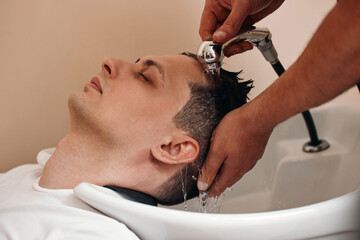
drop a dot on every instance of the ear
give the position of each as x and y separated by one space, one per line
181 148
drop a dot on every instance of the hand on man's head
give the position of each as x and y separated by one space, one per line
238 142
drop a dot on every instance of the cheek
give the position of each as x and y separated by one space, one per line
141 100
134 111
130 102
139 112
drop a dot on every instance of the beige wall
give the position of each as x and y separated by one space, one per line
51 48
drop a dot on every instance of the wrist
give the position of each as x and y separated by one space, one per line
253 114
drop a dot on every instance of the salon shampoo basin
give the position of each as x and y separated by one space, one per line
337 218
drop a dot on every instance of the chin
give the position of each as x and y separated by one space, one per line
77 102
84 115
79 109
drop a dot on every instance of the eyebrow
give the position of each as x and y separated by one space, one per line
151 63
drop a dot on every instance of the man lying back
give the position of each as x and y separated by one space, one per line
133 126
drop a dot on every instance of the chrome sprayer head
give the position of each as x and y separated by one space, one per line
211 54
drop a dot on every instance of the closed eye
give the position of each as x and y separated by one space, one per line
144 77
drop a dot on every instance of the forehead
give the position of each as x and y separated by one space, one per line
181 68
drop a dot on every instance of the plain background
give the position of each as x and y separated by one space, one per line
51 48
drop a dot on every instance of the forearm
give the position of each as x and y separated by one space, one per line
329 65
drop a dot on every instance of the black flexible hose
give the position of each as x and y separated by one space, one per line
314 139
278 67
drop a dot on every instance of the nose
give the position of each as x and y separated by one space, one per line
111 67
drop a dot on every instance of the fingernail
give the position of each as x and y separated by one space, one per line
202 186
220 34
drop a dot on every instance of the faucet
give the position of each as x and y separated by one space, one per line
211 54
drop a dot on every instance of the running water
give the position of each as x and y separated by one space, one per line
212 204
184 185
205 204
202 201
217 204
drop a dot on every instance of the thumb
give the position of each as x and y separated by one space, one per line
233 22
210 169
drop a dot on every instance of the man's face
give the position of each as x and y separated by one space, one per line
134 103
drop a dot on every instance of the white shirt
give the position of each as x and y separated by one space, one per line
29 212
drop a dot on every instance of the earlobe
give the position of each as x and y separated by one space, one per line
182 149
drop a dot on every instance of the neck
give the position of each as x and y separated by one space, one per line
79 159
72 164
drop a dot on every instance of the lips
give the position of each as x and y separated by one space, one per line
95 83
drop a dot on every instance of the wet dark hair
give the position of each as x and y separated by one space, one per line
207 105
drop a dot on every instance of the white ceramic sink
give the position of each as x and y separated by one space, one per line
288 195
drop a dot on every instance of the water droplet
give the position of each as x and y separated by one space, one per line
202 201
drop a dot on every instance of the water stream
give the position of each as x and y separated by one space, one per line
184 185
204 204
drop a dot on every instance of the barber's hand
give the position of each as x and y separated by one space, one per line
237 144
221 20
